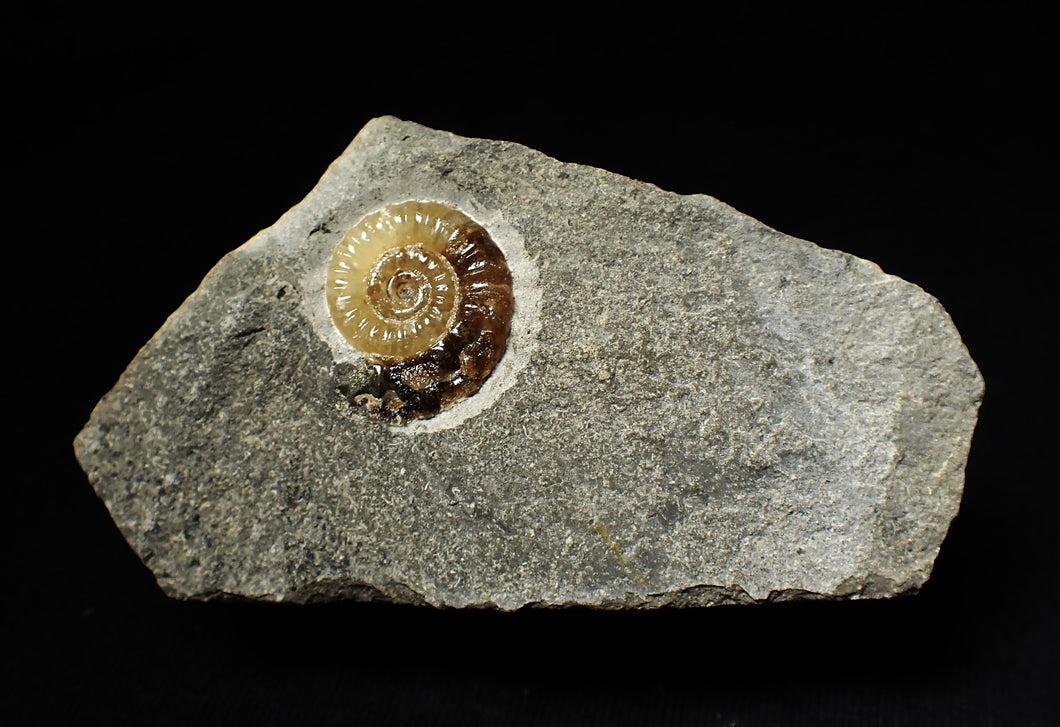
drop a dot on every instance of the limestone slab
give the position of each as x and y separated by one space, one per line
693 408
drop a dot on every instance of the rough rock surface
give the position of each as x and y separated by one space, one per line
694 408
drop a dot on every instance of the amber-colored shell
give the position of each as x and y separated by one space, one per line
424 293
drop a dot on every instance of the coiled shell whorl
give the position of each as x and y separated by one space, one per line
424 293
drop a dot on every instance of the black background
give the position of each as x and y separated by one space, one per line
141 149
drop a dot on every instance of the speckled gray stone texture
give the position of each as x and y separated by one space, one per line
694 409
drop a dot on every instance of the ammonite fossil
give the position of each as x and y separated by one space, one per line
424 293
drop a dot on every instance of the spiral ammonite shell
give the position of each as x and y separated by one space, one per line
424 293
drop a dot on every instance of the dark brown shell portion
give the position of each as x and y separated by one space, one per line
417 381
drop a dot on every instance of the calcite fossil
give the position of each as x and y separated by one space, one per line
423 292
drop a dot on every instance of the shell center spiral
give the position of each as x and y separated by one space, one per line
408 282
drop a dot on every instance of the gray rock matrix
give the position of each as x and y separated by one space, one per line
693 409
